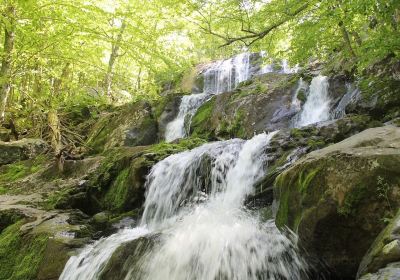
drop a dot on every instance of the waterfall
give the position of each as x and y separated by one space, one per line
317 106
188 107
194 202
221 76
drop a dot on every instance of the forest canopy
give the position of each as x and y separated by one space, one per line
56 53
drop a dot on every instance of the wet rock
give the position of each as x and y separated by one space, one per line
126 259
21 150
169 112
335 198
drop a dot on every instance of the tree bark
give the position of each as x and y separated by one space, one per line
55 137
113 57
346 39
6 63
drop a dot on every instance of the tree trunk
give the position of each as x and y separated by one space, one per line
113 57
346 39
6 63
55 138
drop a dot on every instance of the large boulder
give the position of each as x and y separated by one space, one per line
131 125
21 150
336 198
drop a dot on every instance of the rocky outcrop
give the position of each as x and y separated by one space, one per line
131 125
21 150
289 145
263 103
336 198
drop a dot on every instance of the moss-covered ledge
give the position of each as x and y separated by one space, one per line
337 199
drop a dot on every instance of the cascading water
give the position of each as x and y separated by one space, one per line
194 202
352 95
317 107
221 76
189 105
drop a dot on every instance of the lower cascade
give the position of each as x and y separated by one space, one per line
195 211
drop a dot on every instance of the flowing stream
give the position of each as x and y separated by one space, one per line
195 205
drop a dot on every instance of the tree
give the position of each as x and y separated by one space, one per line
8 20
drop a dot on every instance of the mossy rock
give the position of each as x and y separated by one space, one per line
118 183
334 200
20 150
131 125
260 104
20 255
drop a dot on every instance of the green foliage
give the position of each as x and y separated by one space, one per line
20 255
359 33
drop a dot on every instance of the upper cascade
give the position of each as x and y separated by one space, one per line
317 107
219 77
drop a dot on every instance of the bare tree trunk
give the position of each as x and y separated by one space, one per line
139 79
5 70
113 57
55 138
59 83
346 39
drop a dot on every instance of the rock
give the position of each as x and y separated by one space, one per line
384 250
390 272
335 198
21 150
126 259
5 134
101 218
263 103
131 125
169 112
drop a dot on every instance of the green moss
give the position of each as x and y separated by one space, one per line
99 136
54 200
305 179
3 190
13 172
135 214
352 199
301 95
303 133
20 255
234 128
115 197
282 217
163 149
316 144
200 121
